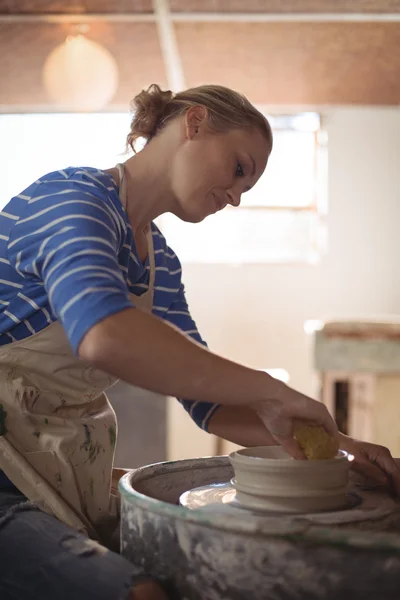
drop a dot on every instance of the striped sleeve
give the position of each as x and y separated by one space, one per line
179 315
68 240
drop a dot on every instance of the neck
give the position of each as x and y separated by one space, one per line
147 185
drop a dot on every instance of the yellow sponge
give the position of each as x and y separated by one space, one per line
314 440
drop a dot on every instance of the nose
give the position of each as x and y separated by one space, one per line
233 198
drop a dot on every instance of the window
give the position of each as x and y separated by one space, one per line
32 145
281 219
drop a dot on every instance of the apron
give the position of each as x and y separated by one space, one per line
57 428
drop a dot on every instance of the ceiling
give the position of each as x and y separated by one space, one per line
277 62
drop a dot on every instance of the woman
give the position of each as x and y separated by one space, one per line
90 292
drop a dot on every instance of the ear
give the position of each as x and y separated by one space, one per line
195 119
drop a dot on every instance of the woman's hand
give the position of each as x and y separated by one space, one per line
279 414
373 464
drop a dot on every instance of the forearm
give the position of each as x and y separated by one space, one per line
240 425
144 351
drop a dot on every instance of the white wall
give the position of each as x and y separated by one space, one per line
256 314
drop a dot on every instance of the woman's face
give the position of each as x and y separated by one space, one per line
210 169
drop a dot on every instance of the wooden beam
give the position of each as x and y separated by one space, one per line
169 46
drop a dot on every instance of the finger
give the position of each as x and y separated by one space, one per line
386 462
316 412
329 424
337 444
281 430
331 427
291 446
370 472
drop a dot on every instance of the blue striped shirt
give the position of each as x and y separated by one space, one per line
67 253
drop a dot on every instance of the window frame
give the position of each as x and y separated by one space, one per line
317 207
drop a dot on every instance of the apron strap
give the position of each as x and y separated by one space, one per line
122 184
145 300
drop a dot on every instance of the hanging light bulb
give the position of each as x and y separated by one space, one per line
80 75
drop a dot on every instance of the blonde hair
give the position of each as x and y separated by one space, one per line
154 108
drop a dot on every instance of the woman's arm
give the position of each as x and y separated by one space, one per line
373 463
144 351
240 425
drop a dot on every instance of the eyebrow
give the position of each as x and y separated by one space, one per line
253 172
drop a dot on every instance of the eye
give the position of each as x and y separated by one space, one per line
239 170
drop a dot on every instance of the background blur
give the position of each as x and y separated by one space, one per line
318 237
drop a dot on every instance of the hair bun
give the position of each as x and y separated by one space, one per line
148 109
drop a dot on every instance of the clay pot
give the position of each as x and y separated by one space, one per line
267 478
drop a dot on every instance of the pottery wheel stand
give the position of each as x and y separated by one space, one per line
220 551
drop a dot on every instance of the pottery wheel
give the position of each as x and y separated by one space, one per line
219 550
364 505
